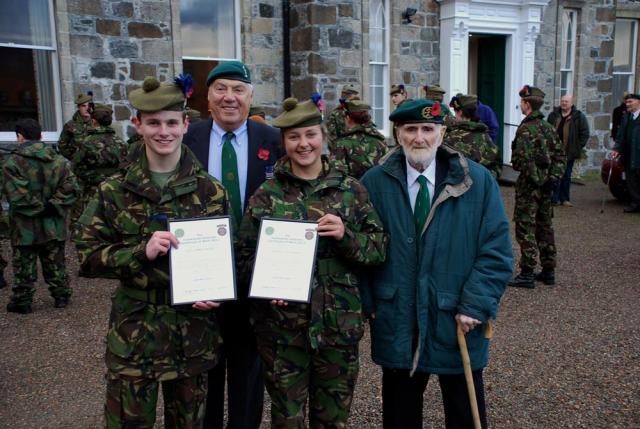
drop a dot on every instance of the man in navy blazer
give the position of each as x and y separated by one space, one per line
256 148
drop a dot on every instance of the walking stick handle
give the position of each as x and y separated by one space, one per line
466 363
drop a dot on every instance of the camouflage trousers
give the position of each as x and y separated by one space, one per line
327 377
533 217
131 402
25 271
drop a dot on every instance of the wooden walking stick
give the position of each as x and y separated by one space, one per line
466 363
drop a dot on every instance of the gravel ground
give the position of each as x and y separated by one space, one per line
562 357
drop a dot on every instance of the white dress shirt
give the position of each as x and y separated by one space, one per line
240 143
414 186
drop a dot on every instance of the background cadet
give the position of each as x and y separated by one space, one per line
77 126
628 145
39 187
434 92
99 154
361 145
193 115
4 227
241 154
310 351
469 136
433 204
336 123
398 95
537 154
257 114
123 234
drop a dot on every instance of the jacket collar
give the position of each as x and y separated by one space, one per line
330 177
137 178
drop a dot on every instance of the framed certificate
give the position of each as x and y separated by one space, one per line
202 266
285 260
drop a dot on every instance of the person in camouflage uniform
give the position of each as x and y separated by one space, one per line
123 234
98 156
471 137
434 92
398 95
362 145
75 129
40 187
537 154
311 350
336 122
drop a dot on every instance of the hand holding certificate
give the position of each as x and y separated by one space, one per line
284 262
202 267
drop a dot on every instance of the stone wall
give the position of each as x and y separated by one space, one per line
593 68
262 49
112 47
415 46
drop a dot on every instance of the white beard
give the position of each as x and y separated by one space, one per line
422 157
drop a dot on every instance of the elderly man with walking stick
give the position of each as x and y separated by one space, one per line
448 263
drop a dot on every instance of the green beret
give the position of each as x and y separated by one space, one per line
233 70
83 98
349 89
154 97
257 110
531 91
357 105
421 110
102 108
397 89
632 96
298 115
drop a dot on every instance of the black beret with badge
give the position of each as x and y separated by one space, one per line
531 91
421 110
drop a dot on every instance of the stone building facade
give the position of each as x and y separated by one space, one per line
295 47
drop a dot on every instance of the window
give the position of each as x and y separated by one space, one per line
29 79
379 64
210 32
568 55
624 57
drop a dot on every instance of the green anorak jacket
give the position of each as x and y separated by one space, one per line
334 314
459 263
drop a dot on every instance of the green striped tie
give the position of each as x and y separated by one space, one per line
423 205
230 176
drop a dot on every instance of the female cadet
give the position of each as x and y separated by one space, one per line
362 145
311 350
471 137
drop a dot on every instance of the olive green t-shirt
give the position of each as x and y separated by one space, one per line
161 179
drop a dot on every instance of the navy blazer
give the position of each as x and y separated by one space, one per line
260 136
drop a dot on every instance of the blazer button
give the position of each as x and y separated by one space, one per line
410 240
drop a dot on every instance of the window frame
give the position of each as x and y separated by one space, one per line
569 71
236 34
633 60
385 127
52 135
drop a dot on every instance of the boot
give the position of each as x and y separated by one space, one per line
524 279
14 307
547 277
61 301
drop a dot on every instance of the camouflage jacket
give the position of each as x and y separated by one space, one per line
359 149
72 132
536 152
336 124
99 154
334 315
473 141
147 337
40 187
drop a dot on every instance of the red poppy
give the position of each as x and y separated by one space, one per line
436 109
263 154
